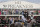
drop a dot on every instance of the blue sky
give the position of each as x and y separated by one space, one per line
33 1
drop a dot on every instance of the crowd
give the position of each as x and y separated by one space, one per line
8 11
18 11
9 20
25 20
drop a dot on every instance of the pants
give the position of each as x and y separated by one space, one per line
29 24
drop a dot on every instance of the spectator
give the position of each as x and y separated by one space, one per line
16 20
0 12
11 20
22 12
10 12
17 11
5 25
0 20
13 11
3 21
37 12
